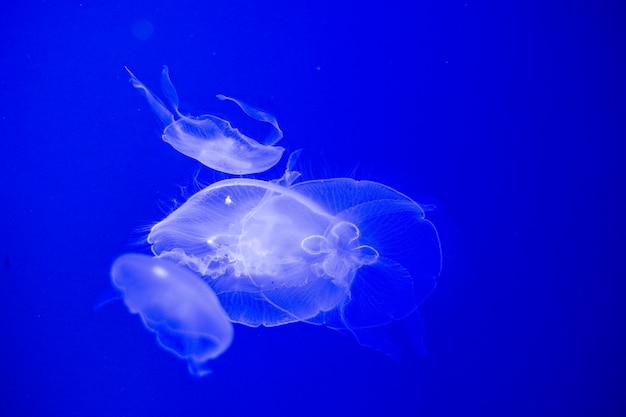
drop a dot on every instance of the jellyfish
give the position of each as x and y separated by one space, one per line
175 304
358 257
210 140
352 255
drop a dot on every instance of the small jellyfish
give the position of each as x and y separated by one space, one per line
211 140
175 304
352 255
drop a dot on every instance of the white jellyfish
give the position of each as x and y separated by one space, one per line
355 256
211 140
175 304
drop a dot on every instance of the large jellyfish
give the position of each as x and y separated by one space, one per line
355 256
209 139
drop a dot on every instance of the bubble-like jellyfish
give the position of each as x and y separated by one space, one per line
177 305
355 256
210 140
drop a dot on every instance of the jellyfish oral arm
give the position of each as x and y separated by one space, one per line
259 115
158 107
169 90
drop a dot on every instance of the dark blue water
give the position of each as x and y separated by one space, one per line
508 118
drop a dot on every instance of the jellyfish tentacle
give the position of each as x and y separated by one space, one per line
169 90
259 115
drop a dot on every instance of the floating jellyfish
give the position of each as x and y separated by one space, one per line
211 140
355 256
177 305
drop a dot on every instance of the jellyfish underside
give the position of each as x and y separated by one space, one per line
355 256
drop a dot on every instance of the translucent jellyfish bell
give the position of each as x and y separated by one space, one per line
353 255
176 305
211 140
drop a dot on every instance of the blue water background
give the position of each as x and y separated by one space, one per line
508 117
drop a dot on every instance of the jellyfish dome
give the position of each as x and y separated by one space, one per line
353 255
177 306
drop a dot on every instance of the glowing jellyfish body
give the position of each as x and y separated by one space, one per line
354 255
209 139
175 304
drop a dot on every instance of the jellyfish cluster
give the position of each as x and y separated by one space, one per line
355 256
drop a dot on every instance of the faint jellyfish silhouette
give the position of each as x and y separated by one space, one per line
175 304
142 29
209 139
